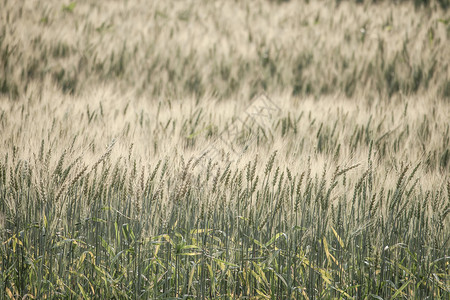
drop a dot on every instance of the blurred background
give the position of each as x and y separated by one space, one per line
227 49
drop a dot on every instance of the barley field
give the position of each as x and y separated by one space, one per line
224 149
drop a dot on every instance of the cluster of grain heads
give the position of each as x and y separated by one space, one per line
274 224
123 234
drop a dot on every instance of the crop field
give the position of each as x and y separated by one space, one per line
224 149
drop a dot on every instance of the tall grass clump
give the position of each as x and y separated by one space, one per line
137 160
353 203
